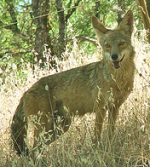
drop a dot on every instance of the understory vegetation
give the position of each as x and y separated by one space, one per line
131 143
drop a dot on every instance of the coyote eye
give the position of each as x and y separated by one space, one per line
107 45
122 43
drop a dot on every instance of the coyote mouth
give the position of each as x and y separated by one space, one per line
117 63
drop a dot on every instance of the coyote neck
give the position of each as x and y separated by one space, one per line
124 73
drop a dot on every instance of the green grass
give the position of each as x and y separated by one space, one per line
131 144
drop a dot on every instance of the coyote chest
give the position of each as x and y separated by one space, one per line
115 87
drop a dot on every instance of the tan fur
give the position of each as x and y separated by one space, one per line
96 87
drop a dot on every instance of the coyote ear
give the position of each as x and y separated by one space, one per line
98 27
127 23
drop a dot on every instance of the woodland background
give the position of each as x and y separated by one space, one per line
28 27
42 37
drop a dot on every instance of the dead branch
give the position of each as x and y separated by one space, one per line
72 10
14 54
83 38
145 17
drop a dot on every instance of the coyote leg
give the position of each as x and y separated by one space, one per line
42 134
112 116
100 115
50 127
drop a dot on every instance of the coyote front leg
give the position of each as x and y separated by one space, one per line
112 116
100 115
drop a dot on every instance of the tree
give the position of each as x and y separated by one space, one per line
41 14
26 26
145 17
148 6
62 26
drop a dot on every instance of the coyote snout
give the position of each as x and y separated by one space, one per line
116 62
97 87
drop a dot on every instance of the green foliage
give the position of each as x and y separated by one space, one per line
17 26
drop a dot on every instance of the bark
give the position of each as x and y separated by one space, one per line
62 27
41 13
97 5
11 10
71 10
120 10
145 17
14 25
62 19
148 6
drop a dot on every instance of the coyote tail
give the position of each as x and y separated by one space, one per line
19 130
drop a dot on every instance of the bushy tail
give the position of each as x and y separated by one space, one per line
19 130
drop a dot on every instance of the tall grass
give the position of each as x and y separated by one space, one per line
131 143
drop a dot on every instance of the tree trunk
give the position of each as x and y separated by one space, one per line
145 17
97 5
148 6
120 10
62 19
41 10
62 27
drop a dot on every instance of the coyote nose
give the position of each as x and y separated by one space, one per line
114 56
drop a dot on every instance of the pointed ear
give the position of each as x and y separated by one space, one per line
127 23
98 27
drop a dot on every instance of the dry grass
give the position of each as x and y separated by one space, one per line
131 143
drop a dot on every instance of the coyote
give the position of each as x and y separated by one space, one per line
97 87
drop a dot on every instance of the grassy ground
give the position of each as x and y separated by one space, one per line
131 144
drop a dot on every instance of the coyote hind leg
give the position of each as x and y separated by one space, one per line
61 120
42 134
50 127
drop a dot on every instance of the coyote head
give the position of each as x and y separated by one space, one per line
116 44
